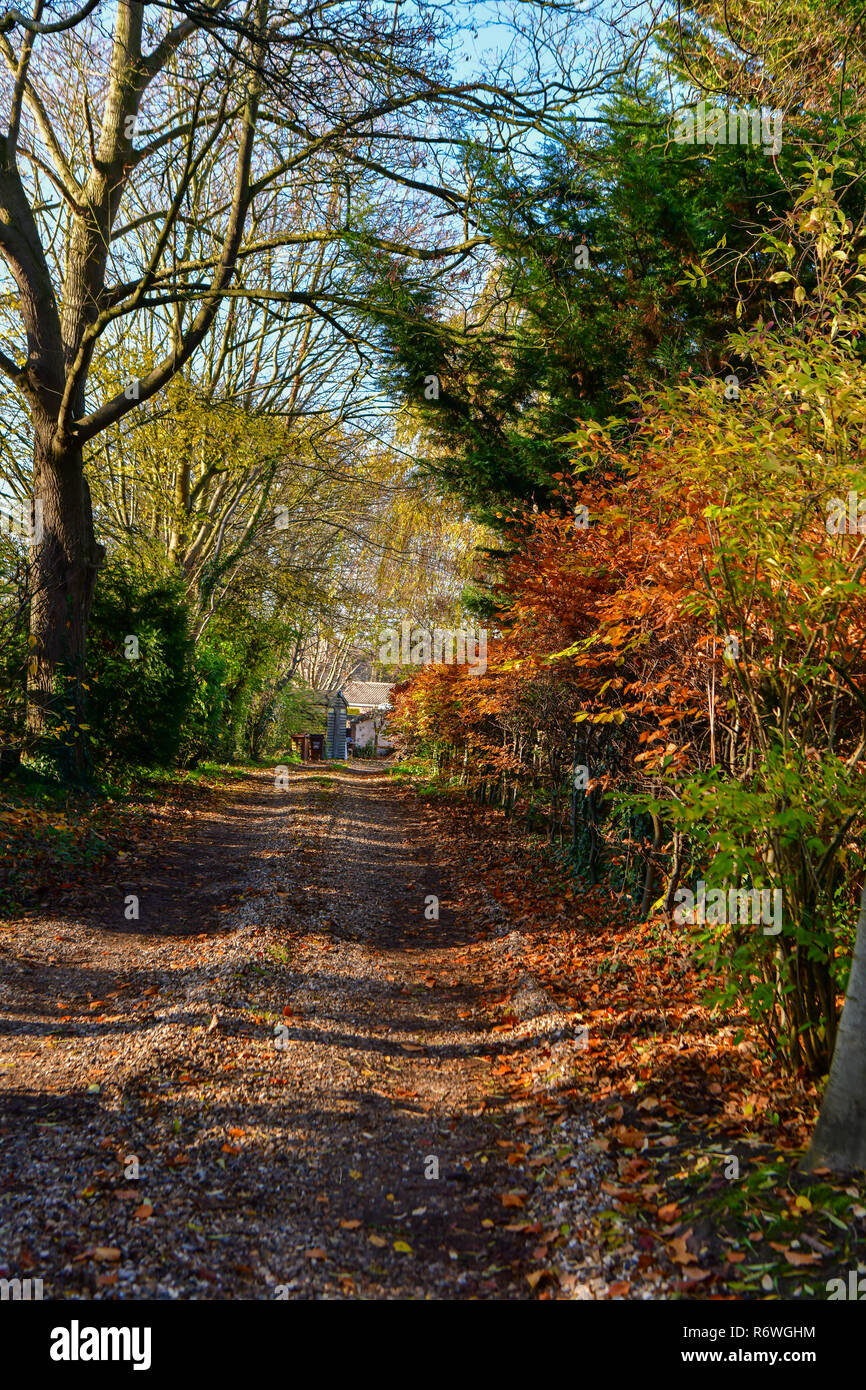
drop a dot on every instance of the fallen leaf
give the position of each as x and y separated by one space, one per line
622 1194
679 1251
630 1138
796 1257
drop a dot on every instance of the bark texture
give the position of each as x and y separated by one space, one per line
839 1140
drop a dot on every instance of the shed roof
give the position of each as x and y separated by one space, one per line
367 694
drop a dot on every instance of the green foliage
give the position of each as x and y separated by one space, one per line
137 705
551 340
767 475
784 828
13 653
205 731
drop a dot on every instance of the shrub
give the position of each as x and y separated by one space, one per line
141 677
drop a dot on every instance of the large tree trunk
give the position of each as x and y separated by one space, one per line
839 1140
65 563
62 330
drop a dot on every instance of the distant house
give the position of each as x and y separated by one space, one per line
368 705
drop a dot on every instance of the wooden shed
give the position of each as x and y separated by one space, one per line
310 747
337 711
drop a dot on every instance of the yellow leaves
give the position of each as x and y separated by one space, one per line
617 634
402 1247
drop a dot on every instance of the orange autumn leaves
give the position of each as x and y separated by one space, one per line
595 626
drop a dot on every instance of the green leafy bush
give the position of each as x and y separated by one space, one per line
141 678
13 655
207 733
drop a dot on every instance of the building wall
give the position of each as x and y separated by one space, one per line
365 733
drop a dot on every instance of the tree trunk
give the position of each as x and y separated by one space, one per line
179 538
649 881
65 563
673 882
839 1140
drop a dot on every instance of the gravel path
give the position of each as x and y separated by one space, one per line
281 1079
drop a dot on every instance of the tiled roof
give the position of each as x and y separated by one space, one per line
367 694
